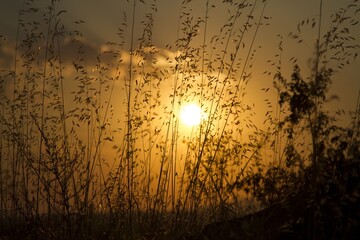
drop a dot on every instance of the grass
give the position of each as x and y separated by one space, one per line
81 161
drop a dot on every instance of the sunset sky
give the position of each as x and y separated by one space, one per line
140 116
186 87
102 19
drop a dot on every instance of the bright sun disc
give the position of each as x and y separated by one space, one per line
191 114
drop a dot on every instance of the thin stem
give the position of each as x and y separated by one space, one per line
129 149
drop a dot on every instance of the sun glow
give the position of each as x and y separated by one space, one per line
191 114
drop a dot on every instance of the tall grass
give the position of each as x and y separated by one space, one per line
92 146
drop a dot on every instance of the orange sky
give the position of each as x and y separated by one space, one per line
102 20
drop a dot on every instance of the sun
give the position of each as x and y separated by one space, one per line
191 114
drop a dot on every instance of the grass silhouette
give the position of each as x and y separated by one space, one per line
79 160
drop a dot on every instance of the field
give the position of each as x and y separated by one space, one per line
210 135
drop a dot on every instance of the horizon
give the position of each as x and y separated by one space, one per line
141 108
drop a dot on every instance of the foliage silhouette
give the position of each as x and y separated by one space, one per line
78 161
